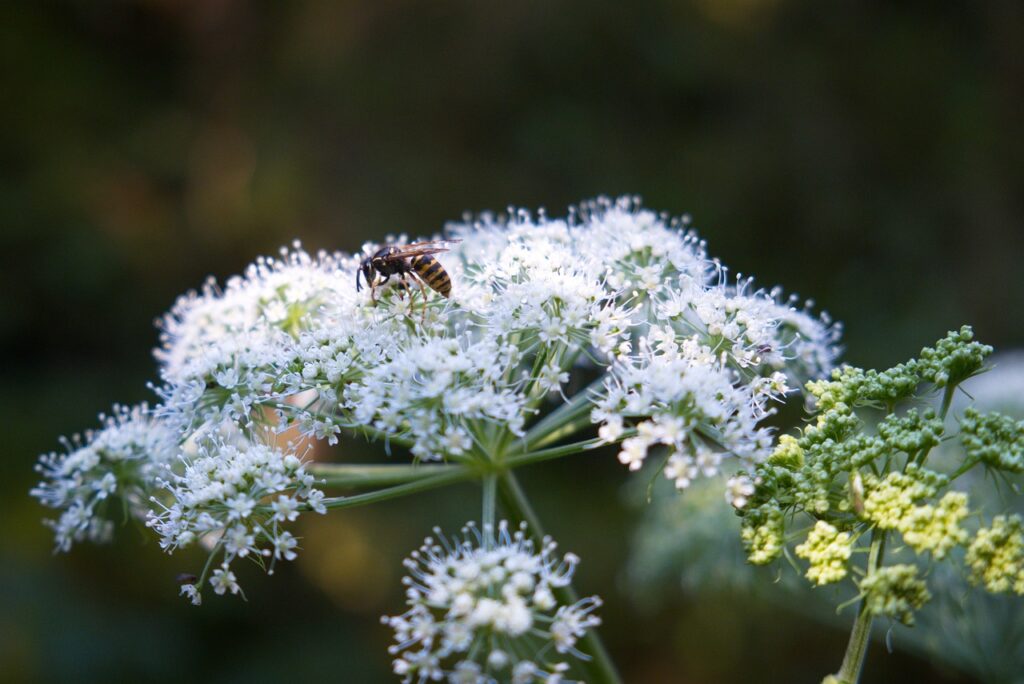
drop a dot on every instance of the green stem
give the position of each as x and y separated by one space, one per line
857 647
538 364
457 474
947 401
514 499
964 467
488 522
529 457
363 476
209 563
565 430
413 479
579 405
556 353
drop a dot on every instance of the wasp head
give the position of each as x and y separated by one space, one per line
366 271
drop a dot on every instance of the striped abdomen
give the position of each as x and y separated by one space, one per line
433 274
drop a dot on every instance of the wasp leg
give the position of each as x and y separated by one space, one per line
374 285
404 285
423 293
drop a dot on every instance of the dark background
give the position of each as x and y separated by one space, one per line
864 154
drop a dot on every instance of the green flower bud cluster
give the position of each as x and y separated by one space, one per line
895 591
994 439
852 489
953 359
911 433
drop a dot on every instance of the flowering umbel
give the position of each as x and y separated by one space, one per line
613 319
483 607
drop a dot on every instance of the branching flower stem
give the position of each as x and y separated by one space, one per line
497 479
529 457
423 484
374 475
857 647
947 402
513 498
412 479
567 419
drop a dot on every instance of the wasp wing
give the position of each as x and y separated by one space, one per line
428 243
415 249
409 253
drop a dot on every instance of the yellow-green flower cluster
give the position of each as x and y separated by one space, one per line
936 529
764 542
788 453
891 500
894 591
827 549
996 556
858 471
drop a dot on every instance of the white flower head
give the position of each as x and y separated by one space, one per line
238 496
738 490
486 609
124 459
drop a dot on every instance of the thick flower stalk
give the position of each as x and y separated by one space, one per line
482 611
860 473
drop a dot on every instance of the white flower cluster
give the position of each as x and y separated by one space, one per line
224 350
483 609
684 359
120 462
691 361
238 495
689 400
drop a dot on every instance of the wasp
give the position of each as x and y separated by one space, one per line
414 260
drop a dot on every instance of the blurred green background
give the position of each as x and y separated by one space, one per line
864 154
